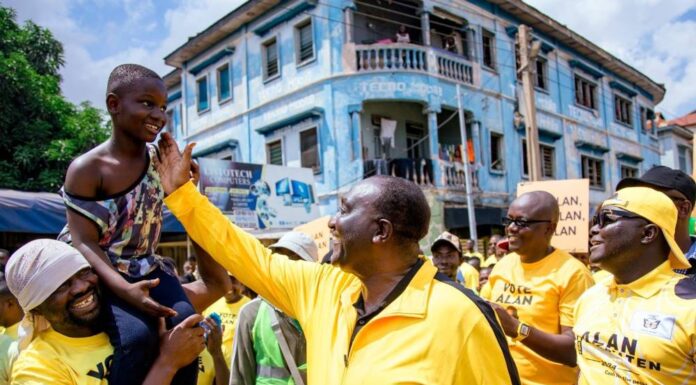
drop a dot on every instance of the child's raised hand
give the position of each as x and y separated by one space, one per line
138 295
173 166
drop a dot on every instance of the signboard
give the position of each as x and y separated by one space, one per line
318 230
573 196
260 196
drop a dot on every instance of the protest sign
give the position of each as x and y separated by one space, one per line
573 196
318 230
260 196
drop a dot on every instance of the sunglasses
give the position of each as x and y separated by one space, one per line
507 221
609 216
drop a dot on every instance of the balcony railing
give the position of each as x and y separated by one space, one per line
419 171
413 58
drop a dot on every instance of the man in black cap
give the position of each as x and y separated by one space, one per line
681 189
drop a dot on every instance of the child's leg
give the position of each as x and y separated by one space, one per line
135 339
170 293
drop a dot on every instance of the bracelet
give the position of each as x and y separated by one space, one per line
523 331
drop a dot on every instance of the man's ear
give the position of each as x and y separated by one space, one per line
650 233
113 103
684 209
385 230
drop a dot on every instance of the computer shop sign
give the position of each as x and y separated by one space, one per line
260 196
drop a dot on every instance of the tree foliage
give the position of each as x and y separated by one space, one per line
40 131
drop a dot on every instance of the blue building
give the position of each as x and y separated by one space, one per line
353 88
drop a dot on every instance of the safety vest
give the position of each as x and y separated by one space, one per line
270 365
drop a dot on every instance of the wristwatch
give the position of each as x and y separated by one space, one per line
523 331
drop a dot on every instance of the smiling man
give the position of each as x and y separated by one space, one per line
638 327
394 323
534 289
64 342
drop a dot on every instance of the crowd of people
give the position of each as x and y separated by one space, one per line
99 306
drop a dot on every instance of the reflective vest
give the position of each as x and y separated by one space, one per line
270 364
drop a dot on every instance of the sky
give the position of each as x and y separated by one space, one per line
657 37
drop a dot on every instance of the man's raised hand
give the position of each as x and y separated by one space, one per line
175 168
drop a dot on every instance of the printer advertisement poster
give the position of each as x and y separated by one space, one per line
260 196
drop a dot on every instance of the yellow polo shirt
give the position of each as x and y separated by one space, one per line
640 333
541 294
228 315
55 359
468 276
390 348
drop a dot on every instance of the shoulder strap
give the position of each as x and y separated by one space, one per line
285 349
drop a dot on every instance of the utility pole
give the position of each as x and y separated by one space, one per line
473 234
528 53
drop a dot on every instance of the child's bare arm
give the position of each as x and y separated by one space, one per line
214 282
81 180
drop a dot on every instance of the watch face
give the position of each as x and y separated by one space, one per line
524 330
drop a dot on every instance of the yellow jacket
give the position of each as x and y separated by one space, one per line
433 333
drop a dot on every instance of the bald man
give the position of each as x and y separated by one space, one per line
533 290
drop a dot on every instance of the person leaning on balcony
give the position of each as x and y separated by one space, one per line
380 313
533 290
402 35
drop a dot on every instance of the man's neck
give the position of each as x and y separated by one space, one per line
378 285
122 145
536 255
633 271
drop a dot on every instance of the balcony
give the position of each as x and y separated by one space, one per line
392 57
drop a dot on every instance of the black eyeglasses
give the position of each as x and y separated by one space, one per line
608 216
507 221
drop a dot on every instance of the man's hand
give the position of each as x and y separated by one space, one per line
138 295
214 343
181 345
508 322
175 168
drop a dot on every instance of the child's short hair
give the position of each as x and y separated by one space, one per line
123 76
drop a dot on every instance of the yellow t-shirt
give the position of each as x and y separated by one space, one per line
640 333
8 351
474 254
490 261
228 315
55 359
541 294
468 276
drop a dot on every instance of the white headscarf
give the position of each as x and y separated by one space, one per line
33 273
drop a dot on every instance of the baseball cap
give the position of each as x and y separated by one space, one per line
657 208
448 238
299 243
666 178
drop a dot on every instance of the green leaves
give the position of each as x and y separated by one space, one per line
40 131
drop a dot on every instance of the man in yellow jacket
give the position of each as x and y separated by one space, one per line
380 314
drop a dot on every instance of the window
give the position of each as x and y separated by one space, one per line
628 171
170 122
488 43
270 60
541 74
623 109
585 92
224 83
274 153
415 145
684 159
497 152
548 160
309 149
647 120
304 42
202 94
592 170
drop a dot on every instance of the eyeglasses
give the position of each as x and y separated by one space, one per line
608 216
507 221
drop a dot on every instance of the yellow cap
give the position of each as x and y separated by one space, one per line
657 208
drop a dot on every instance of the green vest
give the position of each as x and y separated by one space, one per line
270 364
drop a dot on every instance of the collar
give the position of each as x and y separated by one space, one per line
649 284
413 300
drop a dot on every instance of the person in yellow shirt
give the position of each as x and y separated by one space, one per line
10 315
491 259
638 326
64 343
533 290
214 357
447 257
471 256
365 314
